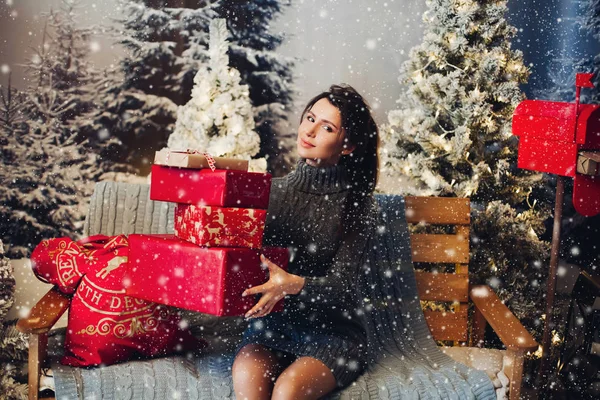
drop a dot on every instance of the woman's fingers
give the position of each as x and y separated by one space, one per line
263 307
270 264
257 307
268 306
266 309
254 290
269 290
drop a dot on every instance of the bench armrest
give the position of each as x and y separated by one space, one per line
45 313
508 328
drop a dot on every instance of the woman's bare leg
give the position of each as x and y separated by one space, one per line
306 378
254 372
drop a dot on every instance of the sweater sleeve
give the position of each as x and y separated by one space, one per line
337 285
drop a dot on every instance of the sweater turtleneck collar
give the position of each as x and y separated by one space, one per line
330 179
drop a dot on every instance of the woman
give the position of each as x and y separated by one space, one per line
322 211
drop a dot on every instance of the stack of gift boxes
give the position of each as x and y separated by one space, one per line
215 253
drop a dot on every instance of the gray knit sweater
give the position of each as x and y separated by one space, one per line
307 210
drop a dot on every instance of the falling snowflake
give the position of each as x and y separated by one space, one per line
94 46
258 324
495 282
103 134
480 292
5 69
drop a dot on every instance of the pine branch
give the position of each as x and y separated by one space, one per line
218 43
12 107
11 389
13 344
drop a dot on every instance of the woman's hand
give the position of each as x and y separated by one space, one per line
280 283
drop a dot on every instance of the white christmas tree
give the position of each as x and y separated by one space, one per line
218 118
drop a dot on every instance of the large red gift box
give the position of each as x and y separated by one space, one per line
172 271
223 188
219 226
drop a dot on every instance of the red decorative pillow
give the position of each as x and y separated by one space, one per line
105 326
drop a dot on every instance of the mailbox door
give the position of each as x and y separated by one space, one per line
588 126
547 156
586 195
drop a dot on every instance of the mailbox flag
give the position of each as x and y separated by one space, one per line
584 80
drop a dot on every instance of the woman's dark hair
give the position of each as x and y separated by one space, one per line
361 130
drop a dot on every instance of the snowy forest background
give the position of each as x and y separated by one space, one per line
90 89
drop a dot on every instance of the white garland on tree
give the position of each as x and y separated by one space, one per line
218 118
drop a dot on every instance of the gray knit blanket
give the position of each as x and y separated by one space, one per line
404 360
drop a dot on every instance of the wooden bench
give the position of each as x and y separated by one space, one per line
451 250
444 255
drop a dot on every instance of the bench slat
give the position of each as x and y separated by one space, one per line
448 325
442 287
438 210
434 248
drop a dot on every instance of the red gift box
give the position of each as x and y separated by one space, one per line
171 271
219 226
223 188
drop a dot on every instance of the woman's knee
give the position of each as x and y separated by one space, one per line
254 361
306 378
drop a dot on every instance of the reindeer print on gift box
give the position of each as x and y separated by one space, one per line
210 226
105 326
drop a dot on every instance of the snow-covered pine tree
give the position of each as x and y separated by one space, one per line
13 344
45 184
451 136
588 19
166 44
218 118
269 75
13 108
137 100
60 74
47 176
560 83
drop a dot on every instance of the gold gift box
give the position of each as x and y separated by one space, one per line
184 159
588 163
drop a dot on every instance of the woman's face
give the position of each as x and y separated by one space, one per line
321 138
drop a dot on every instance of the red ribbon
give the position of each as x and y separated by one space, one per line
209 158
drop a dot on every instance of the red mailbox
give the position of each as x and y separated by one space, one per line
562 139
556 137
